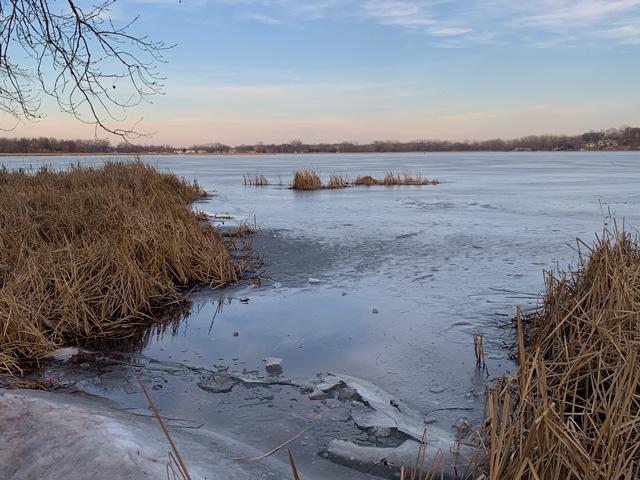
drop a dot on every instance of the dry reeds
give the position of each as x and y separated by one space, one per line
337 181
478 348
256 180
97 253
365 181
407 178
306 180
310 180
393 179
573 410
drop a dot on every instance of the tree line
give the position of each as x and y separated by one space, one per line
624 138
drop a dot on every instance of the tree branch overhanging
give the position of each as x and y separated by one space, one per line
94 69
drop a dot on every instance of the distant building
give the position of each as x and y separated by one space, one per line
601 144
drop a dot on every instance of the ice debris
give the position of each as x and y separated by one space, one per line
272 365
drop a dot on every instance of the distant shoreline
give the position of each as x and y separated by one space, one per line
610 140
272 154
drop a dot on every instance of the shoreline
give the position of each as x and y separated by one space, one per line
273 154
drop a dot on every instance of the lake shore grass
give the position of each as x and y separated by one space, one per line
572 411
98 253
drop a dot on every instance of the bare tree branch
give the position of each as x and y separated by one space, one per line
93 68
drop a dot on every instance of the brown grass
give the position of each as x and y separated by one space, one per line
573 410
337 181
256 180
407 178
393 179
98 253
306 180
365 181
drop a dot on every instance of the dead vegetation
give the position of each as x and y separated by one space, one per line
573 410
394 179
366 180
306 180
92 253
255 180
310 180
407 178
337 181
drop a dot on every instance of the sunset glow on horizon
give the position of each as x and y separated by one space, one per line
245 71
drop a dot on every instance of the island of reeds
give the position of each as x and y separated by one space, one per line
310 180
96 253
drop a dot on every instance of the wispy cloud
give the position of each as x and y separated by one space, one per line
292 91
464 22
580 13
409 14
260 18
509 112
626 34
449 31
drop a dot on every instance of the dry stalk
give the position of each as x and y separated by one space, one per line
183 471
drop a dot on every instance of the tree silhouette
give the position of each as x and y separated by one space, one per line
94 67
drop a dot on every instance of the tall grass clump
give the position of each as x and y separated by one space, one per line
337 181
393 179
365 180
407 178
92 253
256 180
306 180
573 409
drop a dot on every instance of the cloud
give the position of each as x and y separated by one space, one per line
580 13
448 31
409 14
537 23
260 18
294 91
504 113
626 34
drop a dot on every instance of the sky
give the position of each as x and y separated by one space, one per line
244 71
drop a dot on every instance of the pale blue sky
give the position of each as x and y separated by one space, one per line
333 70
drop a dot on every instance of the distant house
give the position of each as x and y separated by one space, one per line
601 144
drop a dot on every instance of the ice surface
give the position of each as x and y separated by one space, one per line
61 436
440 264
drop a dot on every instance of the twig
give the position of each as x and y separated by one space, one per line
270 452
181 463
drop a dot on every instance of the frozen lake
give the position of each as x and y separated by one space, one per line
407 276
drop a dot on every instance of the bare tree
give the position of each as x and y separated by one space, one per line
92 66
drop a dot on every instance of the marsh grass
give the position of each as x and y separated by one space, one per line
394 179
365 180
337 181
255 180
92 253
573 409
310 180
306 180
407 178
